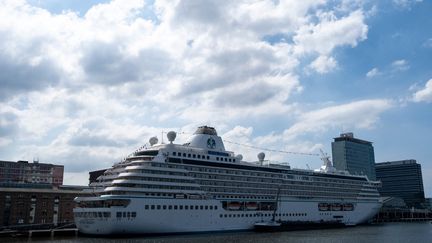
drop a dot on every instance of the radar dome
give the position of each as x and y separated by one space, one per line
171 136
261 156
153 141
239 157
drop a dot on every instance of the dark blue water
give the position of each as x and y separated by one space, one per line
390 232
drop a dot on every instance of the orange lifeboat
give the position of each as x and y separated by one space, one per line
233 206
251 206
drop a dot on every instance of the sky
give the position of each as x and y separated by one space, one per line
85 83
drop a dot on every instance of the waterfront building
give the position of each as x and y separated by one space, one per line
93 175
354 155
428 203
22 172
38 204
402 179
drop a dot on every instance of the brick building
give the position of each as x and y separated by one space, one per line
38 204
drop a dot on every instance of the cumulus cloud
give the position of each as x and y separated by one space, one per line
400 65
323 64
331 32
424 94
372 73
356 115
91 86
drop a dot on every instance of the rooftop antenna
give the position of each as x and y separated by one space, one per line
162 136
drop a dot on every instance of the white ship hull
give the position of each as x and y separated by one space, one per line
186 221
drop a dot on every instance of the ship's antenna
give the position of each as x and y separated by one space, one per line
271 150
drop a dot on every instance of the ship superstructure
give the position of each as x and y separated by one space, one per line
199 186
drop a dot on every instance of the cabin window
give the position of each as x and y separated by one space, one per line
189 155
194 156
119 214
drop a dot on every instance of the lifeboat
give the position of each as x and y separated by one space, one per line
348 207
323 206
233 206
336 207
251 206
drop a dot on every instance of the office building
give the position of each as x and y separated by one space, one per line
354 155
402 179
22 172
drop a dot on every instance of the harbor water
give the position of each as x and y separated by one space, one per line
390 232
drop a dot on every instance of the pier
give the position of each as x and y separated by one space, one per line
36 230
402 215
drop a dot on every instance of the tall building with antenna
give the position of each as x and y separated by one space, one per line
354 155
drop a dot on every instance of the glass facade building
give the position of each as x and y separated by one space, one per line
354 155
402 179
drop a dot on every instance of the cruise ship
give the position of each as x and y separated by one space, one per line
200 187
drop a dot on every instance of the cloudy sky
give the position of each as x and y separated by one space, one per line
84 83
